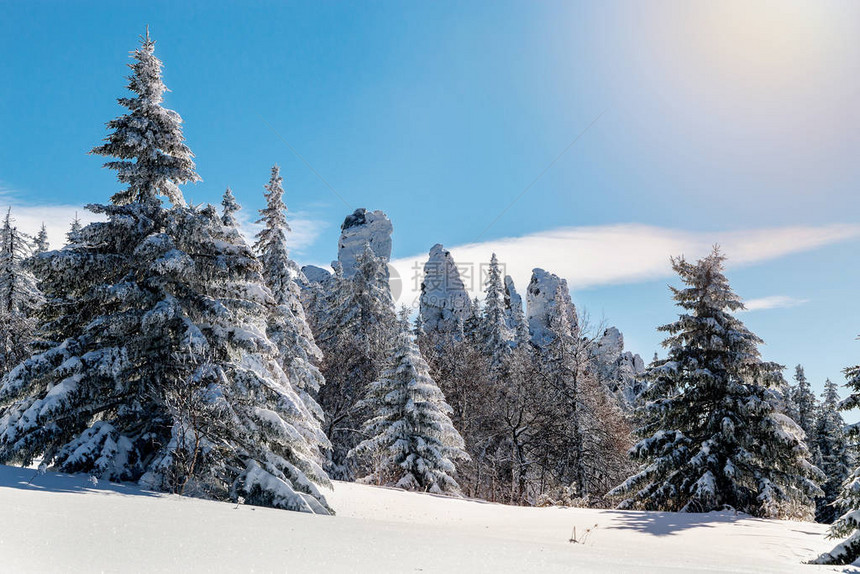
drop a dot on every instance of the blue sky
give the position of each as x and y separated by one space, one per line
732 123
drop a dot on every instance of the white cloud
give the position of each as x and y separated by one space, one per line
305 230
773 302
57 218
603 255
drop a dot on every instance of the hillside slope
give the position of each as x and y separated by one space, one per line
67 523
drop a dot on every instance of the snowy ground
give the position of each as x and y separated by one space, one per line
62 523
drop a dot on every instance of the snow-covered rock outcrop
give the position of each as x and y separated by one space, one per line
316 274
541 305
513 301
444 303
622 370
360 228
515 314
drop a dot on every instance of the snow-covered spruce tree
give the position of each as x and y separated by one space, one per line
288 328
158 368
355 332
472 325
20 296
152 157
847 526
40 242
462 372
802 405
411 442
832 452
230 208
495 334
712 435
74 229
512 401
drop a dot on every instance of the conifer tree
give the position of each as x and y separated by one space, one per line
712 435
74 229
288 328
411 442
832 452
847 526
472 326
355 332
495 335
20 296
150 151
40 243
803 405
230 208
158 368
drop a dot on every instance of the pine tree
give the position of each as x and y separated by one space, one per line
713 437
158 368
74 229
461 370
848 524
803 405
271 240
288 328
412 443
472 326
152 157
495 335
230 208
40 243
20 296
832 452
355 332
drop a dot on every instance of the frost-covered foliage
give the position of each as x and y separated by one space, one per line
20 297
802 405
712 435
288 328
847 526
536 419
157 367
271 243
497 338
151 156
159 336
355 325
582 429
411 442
74 229
229 209
40 242
832 452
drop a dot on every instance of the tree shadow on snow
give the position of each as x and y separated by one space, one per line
33 480
669 523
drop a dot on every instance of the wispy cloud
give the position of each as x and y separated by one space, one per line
773 302
305 229
57 218
590 257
